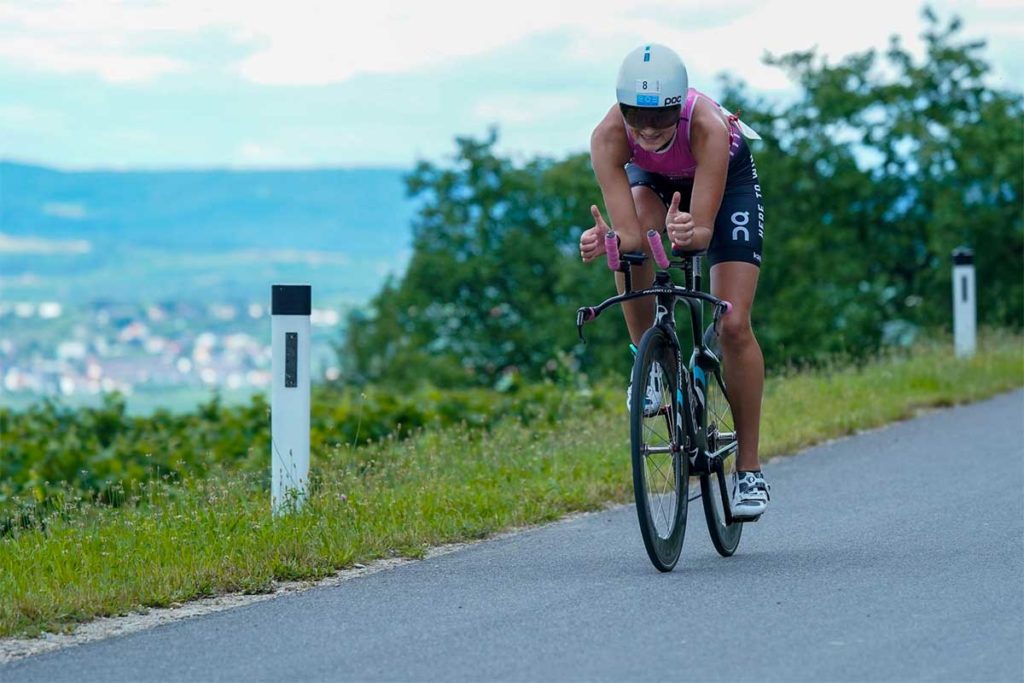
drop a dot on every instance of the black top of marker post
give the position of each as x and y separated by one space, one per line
290 299
963 256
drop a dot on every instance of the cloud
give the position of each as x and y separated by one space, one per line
523 108
106 40
12 244
69 210
401 37
312 82
291 256
300 43
111 66
321 42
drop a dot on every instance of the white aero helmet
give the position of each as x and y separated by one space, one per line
652 76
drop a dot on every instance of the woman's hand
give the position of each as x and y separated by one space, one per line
592 240
682 231
678 224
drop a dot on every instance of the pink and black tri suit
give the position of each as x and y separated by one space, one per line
739 225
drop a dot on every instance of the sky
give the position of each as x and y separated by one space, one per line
312 83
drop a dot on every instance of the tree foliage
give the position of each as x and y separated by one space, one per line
491 291
873 175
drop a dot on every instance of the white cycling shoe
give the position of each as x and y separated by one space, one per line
750 496
652 401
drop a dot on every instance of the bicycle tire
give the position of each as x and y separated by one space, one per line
720 434
660 478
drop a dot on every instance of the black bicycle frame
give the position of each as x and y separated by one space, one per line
694 444
663 285
667 294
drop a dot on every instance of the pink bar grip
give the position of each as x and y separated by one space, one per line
589 314
611 247
728 307
657 248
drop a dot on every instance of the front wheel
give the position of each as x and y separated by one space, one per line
660 468
720 430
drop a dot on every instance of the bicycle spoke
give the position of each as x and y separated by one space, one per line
656 436
660 483
723 444
657 468
661 487
659 476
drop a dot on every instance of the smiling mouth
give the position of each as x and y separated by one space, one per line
659 140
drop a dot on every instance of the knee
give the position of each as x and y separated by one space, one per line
734 330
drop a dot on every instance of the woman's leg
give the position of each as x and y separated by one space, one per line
736 282
639 313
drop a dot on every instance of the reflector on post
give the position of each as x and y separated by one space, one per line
964 303
290 309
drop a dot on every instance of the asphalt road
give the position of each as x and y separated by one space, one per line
893 555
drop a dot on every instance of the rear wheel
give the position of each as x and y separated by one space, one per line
660 468
720 430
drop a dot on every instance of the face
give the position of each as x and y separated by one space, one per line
651 127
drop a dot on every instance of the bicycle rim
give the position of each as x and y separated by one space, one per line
720 429
660 469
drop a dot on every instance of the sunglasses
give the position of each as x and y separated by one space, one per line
650 117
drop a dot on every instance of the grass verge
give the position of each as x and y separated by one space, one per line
400 497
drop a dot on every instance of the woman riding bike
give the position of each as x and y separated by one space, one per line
667 156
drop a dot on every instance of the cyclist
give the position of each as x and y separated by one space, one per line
669 157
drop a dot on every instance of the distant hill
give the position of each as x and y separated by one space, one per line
80 235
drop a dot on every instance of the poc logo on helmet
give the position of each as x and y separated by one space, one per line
652 101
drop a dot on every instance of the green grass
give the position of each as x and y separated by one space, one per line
402 497
807 408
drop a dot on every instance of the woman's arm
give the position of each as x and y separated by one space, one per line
609 153
709 142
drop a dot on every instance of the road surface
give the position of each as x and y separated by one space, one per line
897 554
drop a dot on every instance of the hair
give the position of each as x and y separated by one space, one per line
650 117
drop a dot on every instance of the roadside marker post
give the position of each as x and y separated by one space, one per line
964 303
290 310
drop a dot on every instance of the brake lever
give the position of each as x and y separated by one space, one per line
583 315
721 310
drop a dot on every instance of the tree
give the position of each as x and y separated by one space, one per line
872 177
494 279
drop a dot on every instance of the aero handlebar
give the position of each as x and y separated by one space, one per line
657 248
611 248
